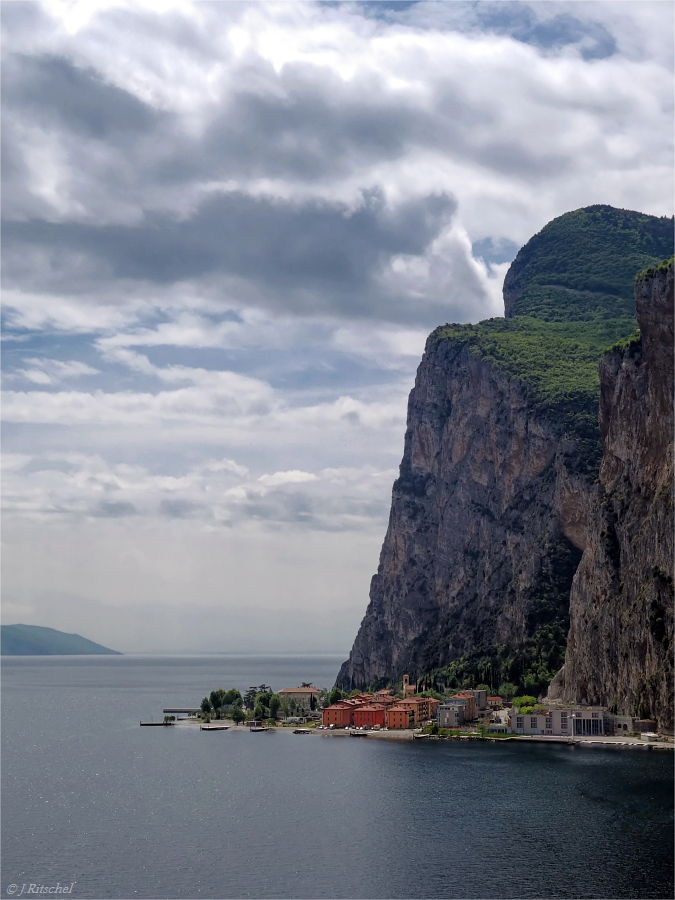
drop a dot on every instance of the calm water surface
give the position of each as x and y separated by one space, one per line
88 796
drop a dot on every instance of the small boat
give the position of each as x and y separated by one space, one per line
302 731
358 734
213 727
157 724
260 728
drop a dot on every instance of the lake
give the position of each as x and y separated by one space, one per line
89 797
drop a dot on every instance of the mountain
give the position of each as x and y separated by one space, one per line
489 515
620 647
34 640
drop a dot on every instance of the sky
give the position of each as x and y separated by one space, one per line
227 230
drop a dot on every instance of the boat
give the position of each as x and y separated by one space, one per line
358 734
214 727
260 728
303 730
157 724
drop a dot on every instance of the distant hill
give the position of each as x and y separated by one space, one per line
33 640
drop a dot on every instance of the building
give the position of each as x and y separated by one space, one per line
565 721
470 710
386 697
408 689
480 698
306 697
340 715
369 715
424 708
450 714
495 702
400 717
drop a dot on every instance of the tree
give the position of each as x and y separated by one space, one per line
258 711
249 697
483 687
238 714
525 701
507 690
335 695
275 703
285 708
206 706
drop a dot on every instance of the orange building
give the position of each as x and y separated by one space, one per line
339 714
368 715
424 708
400 717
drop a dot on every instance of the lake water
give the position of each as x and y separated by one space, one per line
123 811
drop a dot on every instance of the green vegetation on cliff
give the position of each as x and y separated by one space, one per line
568 298
592 252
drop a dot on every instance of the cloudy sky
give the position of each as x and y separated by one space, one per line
227 230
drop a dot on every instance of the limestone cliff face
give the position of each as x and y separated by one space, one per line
620 647
487 524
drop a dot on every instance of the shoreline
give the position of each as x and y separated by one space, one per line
407 735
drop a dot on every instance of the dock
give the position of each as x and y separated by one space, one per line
157 724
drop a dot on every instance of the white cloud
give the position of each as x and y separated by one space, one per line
235 225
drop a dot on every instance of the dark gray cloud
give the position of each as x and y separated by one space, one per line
310 258
56 94
111 510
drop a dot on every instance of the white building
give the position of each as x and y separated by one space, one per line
570 721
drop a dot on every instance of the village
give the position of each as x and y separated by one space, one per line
476 711
415 712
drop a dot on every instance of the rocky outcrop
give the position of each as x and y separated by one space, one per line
620 648
486 527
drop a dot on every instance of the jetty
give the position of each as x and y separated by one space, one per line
157 724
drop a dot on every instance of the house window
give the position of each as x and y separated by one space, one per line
533 722
595 715
549 722
520 722
595 726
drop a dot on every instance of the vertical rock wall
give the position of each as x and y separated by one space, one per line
620 647
486 526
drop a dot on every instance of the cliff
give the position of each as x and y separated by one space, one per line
489 514
620 648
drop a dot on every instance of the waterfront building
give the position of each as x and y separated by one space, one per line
400 717
424 708
495 702
570 721
306 697
339 714
450 714
368 715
